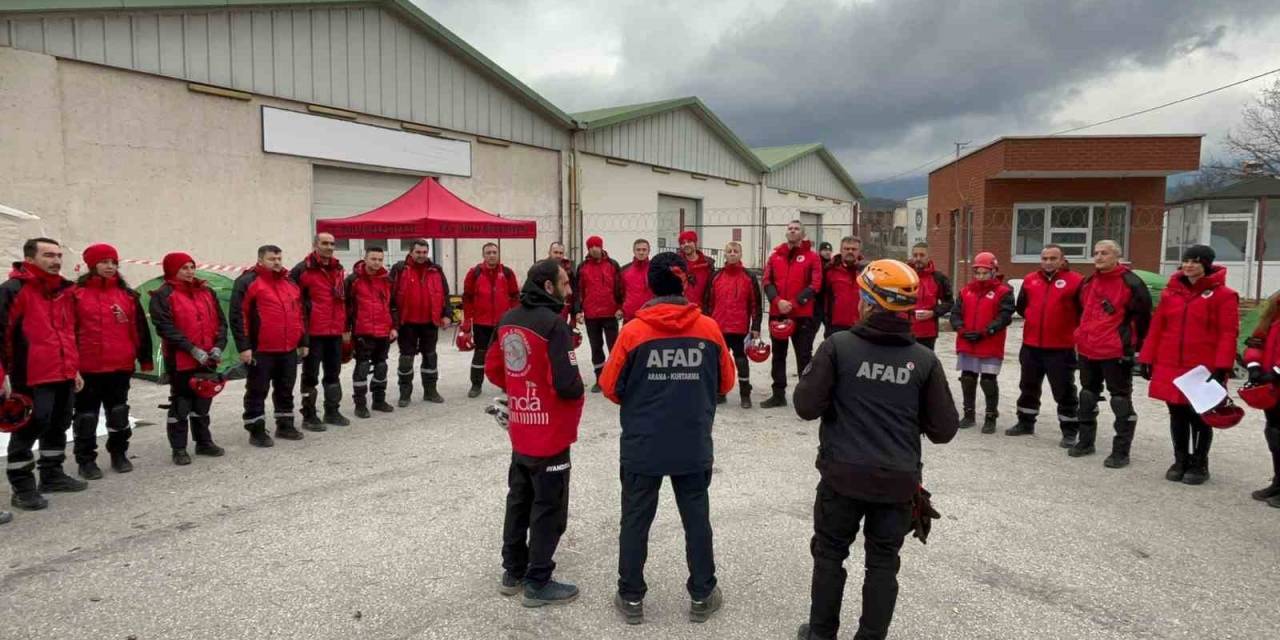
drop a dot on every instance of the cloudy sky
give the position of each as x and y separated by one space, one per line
889 85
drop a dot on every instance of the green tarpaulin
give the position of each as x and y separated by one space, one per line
221 285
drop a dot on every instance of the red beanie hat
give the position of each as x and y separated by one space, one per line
174 261
688 236
595 241
95 253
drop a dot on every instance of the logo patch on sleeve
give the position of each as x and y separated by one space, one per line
573 358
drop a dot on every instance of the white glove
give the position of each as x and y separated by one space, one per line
500 411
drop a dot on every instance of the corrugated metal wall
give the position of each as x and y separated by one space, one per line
676 139
362 59
809 174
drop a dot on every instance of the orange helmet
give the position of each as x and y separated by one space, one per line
986 260
890 284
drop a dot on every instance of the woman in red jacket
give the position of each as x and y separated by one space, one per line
732 299
982 314
1262 356
112 333
1196 324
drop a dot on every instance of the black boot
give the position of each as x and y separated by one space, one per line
550 593
332 398
744 392
632 612
701 610
430 394
284 429
968 399
181 457
380 403
595 388
1084 441
404 373
1178 469
406 396
1197 470
361 407
477 374
721 398
989 422
54 480
1070 431
1022 428
310 417
474 391
969 419
28 500
89 470
120 462
778 399
1268 492
258 435
210 450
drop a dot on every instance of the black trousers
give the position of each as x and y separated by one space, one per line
371 358
1191 436
483 335
600 331
1117 375
1272 435
639 506
50 418
1059 365
186 410
806 331
738 345
102 392
325 352
415 339
836 520
929 343
275 372
537 513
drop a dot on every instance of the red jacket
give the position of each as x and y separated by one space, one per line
323 300
733 300
1194 325
1115 313
487 293
842 294
187 316
599 288
635 288
419 293
38 327
266 312
369 302
985 306
699 276
935 295
794 275
111 327
1051 305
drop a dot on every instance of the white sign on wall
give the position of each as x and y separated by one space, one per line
301 134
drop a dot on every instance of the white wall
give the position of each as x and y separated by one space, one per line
837 219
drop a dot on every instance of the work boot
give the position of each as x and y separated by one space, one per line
430 394
474 391
90 471
211 450
1274 501
381 406
1021 429
778 399
969 420
746 401
701 610
632 612
285 430
311 421
1268 492
120 462
54 480
550 593
310 417
406 396
721 399
803 633
595 388
1177 470
1197 471
362 411
510 585
336 418
181 457
989 423
260 439
28 501
1117 460
1084 441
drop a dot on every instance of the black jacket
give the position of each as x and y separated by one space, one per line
877 392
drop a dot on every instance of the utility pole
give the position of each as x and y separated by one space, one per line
960 248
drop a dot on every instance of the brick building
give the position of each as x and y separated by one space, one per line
1017 194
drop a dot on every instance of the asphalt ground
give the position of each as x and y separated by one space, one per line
391 528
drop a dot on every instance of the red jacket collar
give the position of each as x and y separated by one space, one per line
924 271
29 274
267 272
1215 278
363 271
786 251
313 262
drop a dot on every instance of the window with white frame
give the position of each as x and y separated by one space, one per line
1075 226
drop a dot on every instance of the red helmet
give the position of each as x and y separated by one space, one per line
577 337
207 386
348 351
758 350
1223 416
782 329
15 412
465 341
986 260
1261 396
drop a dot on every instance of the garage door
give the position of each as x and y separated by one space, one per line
339 193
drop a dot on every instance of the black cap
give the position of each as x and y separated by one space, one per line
824 245
1203 254
667 272
543 271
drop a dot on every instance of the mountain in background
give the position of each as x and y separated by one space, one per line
899 189
875 203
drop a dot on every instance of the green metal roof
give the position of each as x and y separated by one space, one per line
402 7
1257 187
779 157
609 116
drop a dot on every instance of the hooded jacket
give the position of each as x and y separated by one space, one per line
733 300
666 370
419 293
698 279
985 306
571 301
599 291
1195 324
187 316
1115 314
369 302
38 327
266 312
1051 306
111 326
635 288
935 295
536 366
487 293
841 293
794 275
323 296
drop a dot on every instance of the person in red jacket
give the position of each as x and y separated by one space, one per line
322 280
190 323
111 334
981 317
420 305
633 279
1262 357
267 324
1115 314
935 299
373 329
556 252
1048 300
840 287
537 371
820 301
1196 324
733 301
489 289
5 516
700 267
792 280
38 349
599 302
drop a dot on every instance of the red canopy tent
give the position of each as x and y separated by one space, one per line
428 210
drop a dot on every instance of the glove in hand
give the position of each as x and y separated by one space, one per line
500 411
972 336
922 515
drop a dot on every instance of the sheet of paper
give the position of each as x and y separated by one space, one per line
1203 393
